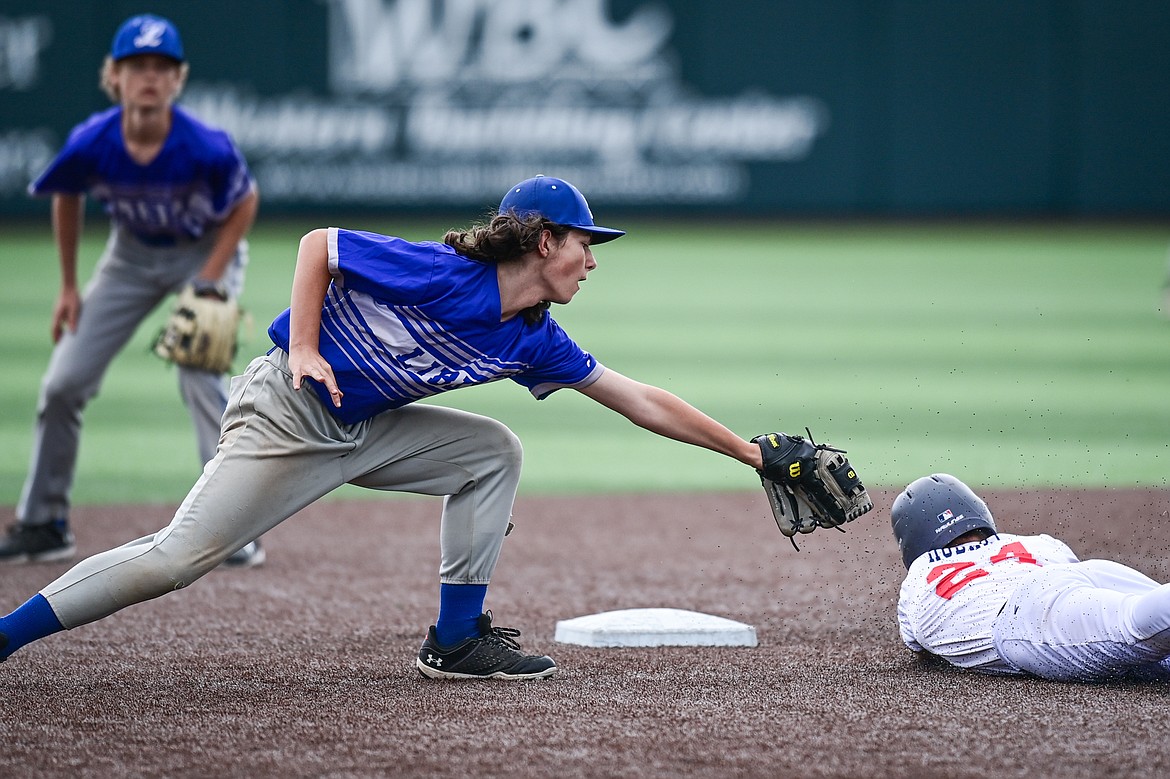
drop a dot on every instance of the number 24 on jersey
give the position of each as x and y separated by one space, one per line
949 578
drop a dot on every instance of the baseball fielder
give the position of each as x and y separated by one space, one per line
1006 604
180 199
376 323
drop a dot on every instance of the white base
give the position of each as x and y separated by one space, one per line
654 627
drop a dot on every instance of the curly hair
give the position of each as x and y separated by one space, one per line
506 238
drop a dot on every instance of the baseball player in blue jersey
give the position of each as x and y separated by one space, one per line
375 323
999 603
180 200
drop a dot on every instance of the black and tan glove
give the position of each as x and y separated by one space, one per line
809 485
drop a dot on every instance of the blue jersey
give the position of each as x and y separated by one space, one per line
195 181
403 321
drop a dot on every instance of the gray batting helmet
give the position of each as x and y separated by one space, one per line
935 510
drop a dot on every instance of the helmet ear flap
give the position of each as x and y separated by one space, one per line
935 510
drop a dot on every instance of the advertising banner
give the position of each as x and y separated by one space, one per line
788 108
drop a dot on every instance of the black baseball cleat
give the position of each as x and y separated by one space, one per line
45 543
493 655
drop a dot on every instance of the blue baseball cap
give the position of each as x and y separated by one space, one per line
147 34
559 202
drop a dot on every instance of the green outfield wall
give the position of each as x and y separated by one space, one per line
788 108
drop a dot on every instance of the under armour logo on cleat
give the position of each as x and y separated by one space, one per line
432 660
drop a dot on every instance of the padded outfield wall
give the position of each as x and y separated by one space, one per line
785 107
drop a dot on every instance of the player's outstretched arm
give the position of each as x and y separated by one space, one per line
668 415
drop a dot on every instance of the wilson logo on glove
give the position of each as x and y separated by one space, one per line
809 485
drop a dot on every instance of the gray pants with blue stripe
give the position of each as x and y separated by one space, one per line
130 281
280 450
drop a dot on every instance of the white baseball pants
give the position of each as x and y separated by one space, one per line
1089 621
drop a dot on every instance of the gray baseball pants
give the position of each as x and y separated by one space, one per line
279 451
130 280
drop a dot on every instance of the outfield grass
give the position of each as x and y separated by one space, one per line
1009 355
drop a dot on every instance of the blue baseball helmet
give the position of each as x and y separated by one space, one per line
935 510
147 34
559 202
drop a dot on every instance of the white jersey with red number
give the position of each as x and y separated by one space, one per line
951 597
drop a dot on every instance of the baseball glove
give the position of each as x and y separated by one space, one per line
809 485
202 331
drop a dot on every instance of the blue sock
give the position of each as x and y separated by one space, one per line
32 621
459 608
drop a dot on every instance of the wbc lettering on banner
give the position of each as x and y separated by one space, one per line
437 102
379 46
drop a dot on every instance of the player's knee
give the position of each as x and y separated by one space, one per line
64 393
506 448
152 574
173 561
496 457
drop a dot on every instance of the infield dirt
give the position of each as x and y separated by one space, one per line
304 667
